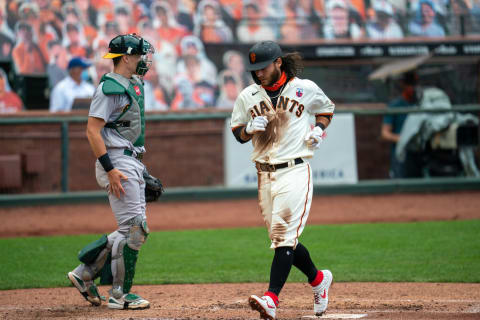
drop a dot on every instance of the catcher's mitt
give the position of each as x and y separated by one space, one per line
153 187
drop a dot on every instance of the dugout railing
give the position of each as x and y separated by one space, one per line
218 191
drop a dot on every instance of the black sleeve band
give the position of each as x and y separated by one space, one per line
321 125
328 116
105 162
237 132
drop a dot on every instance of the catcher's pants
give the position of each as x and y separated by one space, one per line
128 206
132 203
285 197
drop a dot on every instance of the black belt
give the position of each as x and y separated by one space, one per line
130 153
274 167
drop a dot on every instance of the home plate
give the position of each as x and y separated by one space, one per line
337 316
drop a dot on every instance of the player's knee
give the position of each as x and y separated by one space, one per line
138 232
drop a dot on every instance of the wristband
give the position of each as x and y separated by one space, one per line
321 125
244 130
105 162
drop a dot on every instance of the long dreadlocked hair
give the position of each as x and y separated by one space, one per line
292 64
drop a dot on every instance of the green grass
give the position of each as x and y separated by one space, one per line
427 251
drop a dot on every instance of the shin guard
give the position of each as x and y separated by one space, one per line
125 257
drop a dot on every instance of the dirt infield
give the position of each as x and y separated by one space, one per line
228 301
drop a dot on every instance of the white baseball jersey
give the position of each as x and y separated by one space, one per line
298 101
284 195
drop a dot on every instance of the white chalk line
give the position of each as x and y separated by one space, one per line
403 300
337 316
473 309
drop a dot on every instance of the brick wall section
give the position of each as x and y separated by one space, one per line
81 173
373 154
186 153
42 138
181 153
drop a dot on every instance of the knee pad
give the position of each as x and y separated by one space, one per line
138 233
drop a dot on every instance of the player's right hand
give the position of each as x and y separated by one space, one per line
115 177
257 124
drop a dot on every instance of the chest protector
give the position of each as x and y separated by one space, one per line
130 124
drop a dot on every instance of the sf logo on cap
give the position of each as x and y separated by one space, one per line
252 57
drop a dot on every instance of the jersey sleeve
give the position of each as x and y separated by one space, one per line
239 114
321 104
102 105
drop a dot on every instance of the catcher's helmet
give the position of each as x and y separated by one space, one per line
131 44
262 54
128 44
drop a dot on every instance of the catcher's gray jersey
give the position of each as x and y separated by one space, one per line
109 108
132 203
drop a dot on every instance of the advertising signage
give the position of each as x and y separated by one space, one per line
393 50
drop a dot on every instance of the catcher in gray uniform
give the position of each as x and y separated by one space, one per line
116 133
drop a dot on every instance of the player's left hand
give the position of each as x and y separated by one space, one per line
315 137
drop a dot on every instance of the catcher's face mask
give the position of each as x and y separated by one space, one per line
146 60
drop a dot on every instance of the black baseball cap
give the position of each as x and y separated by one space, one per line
262 54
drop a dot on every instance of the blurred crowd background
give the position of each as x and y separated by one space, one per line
41 37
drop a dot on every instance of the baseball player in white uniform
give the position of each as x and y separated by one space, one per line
274 113
116 132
